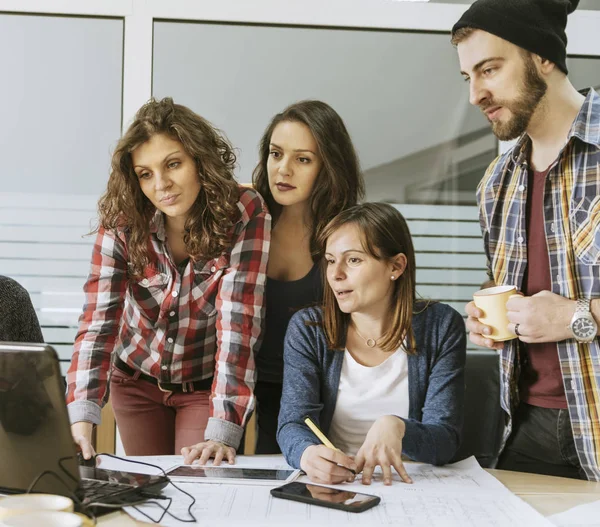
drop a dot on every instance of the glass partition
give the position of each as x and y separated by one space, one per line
61 115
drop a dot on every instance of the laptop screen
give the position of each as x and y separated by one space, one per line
36 446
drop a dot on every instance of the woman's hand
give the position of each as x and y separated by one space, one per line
82 435
207 449
383 447
324 465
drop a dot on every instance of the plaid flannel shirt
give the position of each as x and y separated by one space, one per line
176 327
572 226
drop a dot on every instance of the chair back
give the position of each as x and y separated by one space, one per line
484 417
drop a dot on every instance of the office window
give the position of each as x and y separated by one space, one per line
422 146
400 94
61 116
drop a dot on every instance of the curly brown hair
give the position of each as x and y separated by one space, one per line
340 183
211 218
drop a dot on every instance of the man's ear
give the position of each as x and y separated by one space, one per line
545 66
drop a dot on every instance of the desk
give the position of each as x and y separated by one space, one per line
547 494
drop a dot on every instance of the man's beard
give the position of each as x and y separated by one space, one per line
523 107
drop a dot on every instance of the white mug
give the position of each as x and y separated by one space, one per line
43 518
21 503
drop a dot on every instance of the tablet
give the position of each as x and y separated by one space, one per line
199 474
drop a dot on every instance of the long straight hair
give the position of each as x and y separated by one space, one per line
340 183
385 234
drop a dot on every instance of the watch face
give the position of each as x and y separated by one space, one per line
584 328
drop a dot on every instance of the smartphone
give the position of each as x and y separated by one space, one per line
343 500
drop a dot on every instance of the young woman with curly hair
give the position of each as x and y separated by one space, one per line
308 172
175 294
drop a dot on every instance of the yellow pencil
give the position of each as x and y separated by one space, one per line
320 434
323 438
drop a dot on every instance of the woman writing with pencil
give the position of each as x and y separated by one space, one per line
378 371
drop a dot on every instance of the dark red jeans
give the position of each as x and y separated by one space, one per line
152 422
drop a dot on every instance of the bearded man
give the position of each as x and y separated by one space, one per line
539 206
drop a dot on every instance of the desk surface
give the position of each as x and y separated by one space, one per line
541 492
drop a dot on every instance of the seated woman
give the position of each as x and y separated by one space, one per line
380 372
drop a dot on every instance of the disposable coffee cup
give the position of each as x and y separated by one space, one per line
22 503
492 301
43 518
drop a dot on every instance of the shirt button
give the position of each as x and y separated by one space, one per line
175 293
170 340
164 368
521 188
573 385
145 282
520 239
172 314
213 269
552 227
558 278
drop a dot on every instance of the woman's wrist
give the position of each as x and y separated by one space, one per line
304 457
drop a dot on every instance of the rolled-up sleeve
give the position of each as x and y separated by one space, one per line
87 387
240 306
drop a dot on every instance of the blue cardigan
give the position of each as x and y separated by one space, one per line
435 378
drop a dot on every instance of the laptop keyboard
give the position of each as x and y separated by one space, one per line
93 490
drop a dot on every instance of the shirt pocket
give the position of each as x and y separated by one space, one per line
147 295
585 229
207 279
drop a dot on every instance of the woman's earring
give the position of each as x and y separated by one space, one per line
393 277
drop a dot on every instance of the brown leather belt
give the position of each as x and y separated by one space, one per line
192 386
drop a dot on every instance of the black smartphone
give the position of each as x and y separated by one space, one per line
343 500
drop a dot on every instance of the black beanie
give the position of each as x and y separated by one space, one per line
535 25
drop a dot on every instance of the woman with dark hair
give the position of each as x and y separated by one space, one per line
379 371
174 299
308 172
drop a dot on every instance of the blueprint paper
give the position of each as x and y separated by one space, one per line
457 495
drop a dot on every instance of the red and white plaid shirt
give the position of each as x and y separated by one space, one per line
176 327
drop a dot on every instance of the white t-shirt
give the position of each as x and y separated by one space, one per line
365 394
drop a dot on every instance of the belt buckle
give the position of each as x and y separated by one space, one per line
163 389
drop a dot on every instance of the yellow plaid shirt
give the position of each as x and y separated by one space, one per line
572 226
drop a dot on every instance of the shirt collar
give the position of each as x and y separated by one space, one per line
586 127
157 225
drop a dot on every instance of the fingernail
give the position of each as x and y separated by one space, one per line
367 481
487 331
387 482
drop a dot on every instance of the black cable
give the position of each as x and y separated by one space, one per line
70 492
151 502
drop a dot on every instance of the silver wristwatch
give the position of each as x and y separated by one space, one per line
582 324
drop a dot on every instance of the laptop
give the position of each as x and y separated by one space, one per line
37 451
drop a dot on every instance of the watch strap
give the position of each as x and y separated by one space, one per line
583 305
